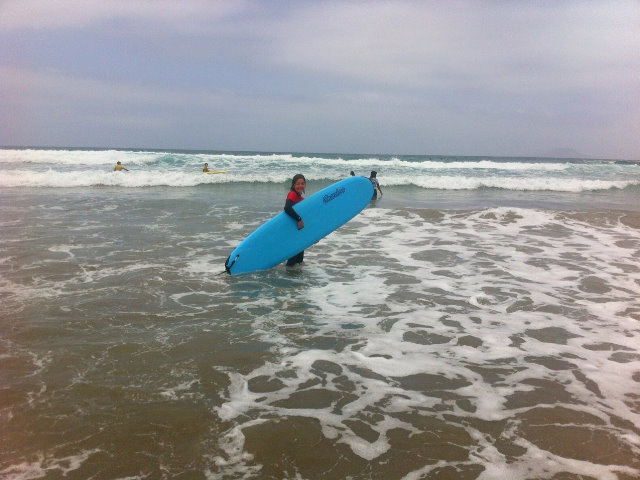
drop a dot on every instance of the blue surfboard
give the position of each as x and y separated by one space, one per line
279 239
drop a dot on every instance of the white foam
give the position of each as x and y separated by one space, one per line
546 465
95 158
177 391
78 168
45 465
426 165
154 178
553 184
504 277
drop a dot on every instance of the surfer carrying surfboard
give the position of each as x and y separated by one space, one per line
376 184
286 235
298 186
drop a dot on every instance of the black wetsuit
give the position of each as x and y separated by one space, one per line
292 199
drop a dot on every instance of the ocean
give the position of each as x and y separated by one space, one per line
480 320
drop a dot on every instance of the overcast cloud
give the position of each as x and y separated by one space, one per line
460 78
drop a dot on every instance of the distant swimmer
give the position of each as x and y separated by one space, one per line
119 167
206 168
352 173
376 184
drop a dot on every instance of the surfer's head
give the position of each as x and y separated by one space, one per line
373 173
298 184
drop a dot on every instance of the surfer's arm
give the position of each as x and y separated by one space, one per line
288 208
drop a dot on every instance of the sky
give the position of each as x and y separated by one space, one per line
501 78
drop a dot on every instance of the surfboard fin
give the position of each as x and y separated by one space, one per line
227 265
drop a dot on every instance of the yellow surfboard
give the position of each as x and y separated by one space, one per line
218 171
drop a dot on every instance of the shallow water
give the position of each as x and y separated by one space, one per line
492 335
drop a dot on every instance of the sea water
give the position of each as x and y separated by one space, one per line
480 320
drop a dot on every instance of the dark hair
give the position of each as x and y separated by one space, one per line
352 173
373 173
297 177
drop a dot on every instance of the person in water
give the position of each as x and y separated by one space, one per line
376 184
298 186
352 173
206 168
119 167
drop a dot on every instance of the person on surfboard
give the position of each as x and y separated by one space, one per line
119 167
206 168
298 186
